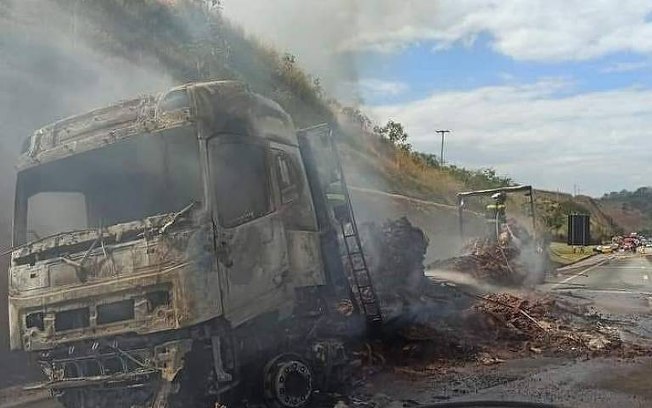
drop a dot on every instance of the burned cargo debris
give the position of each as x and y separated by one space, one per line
485 330
488 262
509 252
396 250
155 240
545 324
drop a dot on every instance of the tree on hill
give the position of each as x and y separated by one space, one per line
395 133
356 116
640 200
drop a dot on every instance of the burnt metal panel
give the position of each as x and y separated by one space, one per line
306 267
222 107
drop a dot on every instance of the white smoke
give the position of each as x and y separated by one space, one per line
48 72
314 31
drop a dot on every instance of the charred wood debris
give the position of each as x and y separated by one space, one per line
431 327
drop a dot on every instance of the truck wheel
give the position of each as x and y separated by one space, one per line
288 382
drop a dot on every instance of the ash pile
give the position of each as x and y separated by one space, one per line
544 324
396 252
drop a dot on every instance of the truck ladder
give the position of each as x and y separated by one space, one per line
325 166
354 254
366 295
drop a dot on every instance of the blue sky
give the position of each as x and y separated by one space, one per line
420 71
425 70
555 93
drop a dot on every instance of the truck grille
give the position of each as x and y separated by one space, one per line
115 312
72 319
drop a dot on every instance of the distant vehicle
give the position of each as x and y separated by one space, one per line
604 249
628 246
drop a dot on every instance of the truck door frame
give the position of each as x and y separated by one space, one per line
267 290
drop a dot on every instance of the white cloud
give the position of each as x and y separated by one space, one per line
378 87
540 30
601 141
525 30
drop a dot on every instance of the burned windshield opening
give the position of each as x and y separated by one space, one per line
242 191
147 175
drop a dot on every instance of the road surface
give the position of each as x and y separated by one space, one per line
617 273
619 286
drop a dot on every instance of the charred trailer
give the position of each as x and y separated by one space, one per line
172 250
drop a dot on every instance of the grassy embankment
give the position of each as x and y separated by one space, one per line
563 254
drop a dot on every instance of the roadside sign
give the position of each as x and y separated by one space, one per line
579 229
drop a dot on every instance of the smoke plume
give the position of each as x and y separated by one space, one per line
48 72
314 31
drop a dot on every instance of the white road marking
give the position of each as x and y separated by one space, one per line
629 267
580 273
618 291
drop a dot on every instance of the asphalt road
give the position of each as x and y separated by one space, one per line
615 273
618 285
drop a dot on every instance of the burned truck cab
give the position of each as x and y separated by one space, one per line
149 218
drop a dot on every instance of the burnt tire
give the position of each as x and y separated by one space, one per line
288 382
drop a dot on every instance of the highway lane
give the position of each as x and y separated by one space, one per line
617 273
618 288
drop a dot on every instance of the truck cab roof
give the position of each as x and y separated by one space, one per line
222 106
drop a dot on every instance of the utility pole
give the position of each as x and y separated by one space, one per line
441 156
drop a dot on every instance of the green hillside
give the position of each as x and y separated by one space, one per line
632 210
191 42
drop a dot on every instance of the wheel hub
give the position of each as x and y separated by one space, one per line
288 382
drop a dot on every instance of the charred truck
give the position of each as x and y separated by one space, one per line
173 250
